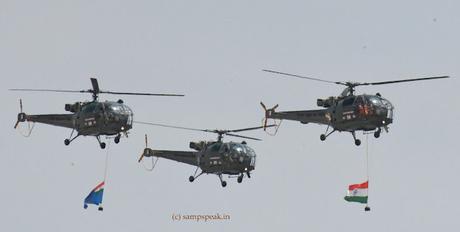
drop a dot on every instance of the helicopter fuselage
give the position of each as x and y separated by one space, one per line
361 112
89 118
103 118
351 113
214 157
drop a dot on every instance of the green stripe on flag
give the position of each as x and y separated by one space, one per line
356 199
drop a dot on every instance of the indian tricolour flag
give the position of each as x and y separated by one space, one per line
95 196
357 192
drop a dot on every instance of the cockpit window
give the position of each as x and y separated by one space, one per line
116 108
119 108
349 101
215 147
375 100
237 148
89 108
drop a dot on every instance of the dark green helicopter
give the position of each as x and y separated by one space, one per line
212 157
347 112
91 118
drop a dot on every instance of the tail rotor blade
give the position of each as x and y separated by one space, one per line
21 115
140 158
16 125
263 105
265 123
265 119
145 150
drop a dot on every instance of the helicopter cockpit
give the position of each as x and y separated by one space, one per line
374 105
120 109
114 110
239 152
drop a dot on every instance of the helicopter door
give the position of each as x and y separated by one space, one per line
348 112
361 107
88 115
130 119
253 161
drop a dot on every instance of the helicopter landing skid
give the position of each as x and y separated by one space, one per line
102 144
324 136
222 182
194 177
68 141
357 141
117 138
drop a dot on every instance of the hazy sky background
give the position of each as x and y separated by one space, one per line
213 51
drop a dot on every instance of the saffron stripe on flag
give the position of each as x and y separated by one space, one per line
364 185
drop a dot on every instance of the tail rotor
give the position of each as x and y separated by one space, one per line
146 151
21 115
268 113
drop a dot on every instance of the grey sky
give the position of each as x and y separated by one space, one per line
213 51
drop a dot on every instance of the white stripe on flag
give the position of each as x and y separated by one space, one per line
357 193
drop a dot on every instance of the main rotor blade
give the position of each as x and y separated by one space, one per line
95 86
241 136
404 80
91 91
303 77
144 94
169 126
52 90
249 128
207 130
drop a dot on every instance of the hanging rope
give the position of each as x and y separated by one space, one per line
367 208
106 162
367 156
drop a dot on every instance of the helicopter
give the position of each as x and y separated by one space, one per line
347 112
212 157
90 118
